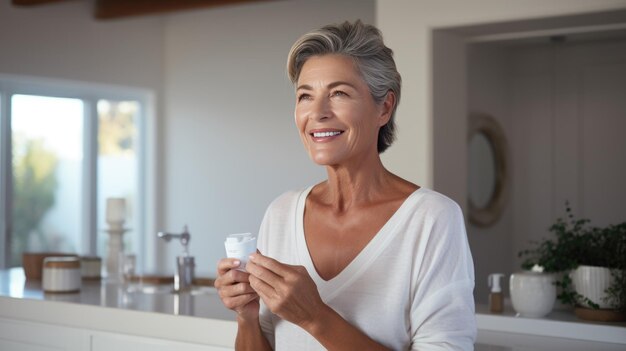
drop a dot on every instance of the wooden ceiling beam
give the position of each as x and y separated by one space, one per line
109 9
34 2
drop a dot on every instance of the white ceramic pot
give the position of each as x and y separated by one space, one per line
61 274
532 294
592 282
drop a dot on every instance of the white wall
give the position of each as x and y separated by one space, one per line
230 143
568 109
62 40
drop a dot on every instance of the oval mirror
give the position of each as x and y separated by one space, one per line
487 170
482 170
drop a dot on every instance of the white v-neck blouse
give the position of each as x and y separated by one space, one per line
410 288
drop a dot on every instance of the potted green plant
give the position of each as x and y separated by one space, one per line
580 253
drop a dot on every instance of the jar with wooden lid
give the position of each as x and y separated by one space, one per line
91 267
61 275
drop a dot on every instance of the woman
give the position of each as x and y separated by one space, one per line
364 260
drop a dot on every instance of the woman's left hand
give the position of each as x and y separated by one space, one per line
288 291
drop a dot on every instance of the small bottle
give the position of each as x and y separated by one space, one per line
496 303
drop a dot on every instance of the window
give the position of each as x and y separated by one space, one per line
118 173
46 167
64 149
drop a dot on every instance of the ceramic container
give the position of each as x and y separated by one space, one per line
532 294
592 282
61 275
91 267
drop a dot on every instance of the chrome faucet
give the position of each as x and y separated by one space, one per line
185 265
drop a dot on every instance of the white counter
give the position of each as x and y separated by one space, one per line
114 308
559 330
202 302
105 312
559 323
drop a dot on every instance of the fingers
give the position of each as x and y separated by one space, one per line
264 274
226 264
288 291
231 277
264 277
264 290
227 275
235 290
272 279
238 302
233 287
269 263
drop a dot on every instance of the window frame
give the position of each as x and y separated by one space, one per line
90 94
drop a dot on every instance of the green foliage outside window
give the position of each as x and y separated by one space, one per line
117 127
34 186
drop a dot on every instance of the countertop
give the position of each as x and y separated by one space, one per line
201 302
196 317
199 316
559 330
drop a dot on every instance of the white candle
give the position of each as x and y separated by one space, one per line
116 210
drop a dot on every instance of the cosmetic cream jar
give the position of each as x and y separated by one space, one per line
240 246
61 274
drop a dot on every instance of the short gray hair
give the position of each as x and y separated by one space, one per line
374 61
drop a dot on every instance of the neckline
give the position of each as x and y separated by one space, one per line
329 288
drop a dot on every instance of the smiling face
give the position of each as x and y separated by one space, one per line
336 115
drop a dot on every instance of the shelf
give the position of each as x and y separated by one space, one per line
559 323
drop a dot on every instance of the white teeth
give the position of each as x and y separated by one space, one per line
325 134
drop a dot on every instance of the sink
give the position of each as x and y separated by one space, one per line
199 300
164 285
156 293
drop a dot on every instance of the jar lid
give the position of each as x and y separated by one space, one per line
90 258
61 262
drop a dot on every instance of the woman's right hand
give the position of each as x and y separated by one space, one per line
234 289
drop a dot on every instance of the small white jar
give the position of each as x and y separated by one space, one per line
61 275
240 246
91 267
532 294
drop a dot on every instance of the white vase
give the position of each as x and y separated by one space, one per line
532 294
592 282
